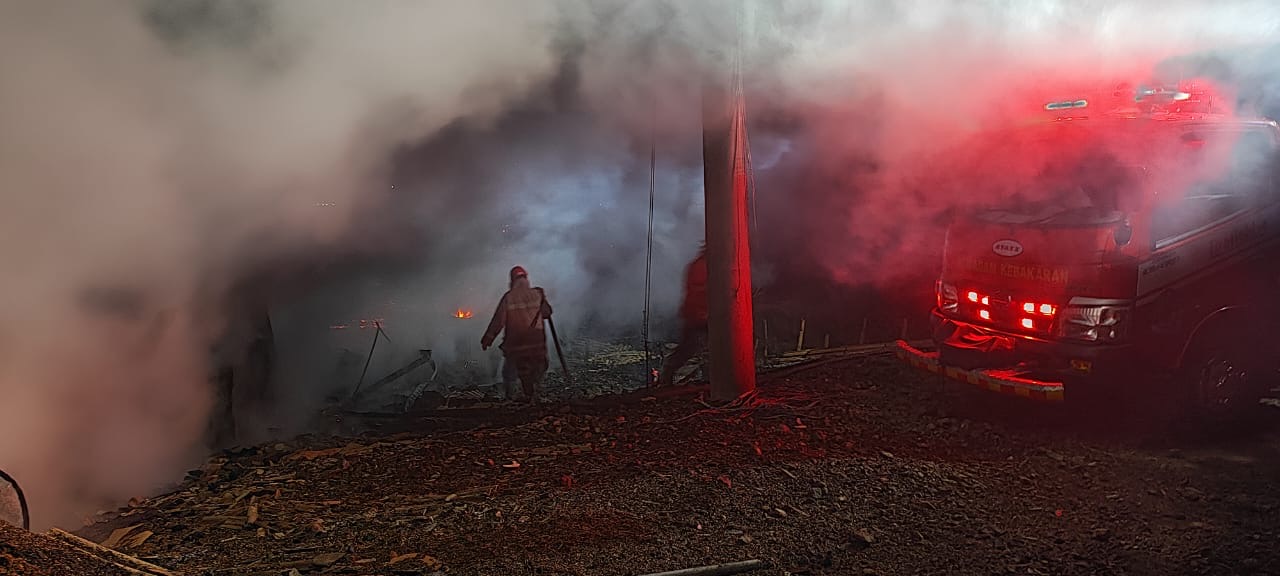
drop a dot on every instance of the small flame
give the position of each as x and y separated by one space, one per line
460 313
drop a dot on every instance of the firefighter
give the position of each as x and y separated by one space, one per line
519 317
693 318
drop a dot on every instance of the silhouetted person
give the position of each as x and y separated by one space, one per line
243 358
519 317
693 319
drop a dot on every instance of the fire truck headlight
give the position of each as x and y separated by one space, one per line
948 297
1093 322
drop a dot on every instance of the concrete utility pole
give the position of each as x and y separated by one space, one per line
724 158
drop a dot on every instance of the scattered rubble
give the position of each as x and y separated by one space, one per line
853 467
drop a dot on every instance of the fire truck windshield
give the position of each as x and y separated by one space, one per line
1082 189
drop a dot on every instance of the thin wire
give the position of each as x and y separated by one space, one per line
746 136
751 185
740 111
648 263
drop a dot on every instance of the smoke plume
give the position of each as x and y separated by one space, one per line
156 153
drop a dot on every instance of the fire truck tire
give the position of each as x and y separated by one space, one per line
1220 378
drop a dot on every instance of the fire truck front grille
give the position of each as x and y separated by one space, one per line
1010 312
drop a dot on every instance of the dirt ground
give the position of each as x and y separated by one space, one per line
854 467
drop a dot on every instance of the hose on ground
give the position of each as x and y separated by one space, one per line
22 499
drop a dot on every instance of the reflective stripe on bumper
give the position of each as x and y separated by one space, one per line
1000 381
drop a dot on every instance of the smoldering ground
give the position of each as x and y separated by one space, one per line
168 147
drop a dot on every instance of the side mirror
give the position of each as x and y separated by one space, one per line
1123 234
13 503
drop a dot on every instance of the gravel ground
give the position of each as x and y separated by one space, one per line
853 467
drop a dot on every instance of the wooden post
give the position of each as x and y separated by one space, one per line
826 341
862 336
800 339
730 325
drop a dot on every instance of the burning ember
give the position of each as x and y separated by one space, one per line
460 313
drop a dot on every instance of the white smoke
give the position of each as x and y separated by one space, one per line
170 146
165 163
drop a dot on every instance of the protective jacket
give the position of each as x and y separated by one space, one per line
519 317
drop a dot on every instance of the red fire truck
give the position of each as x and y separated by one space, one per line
1131 236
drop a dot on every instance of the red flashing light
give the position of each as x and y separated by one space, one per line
1031 309
1043 309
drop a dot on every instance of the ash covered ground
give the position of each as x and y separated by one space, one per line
601 358
597 367
859 466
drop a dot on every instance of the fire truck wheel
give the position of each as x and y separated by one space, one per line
1222 381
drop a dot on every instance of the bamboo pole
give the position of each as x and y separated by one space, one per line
120 559
814 353
715 569
800 339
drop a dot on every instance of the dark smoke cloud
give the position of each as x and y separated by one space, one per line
419 149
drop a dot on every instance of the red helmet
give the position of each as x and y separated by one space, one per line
518 272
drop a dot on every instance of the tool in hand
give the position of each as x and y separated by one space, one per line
559 352
556 338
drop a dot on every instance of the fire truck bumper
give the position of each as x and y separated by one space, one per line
1011 382
1008 364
